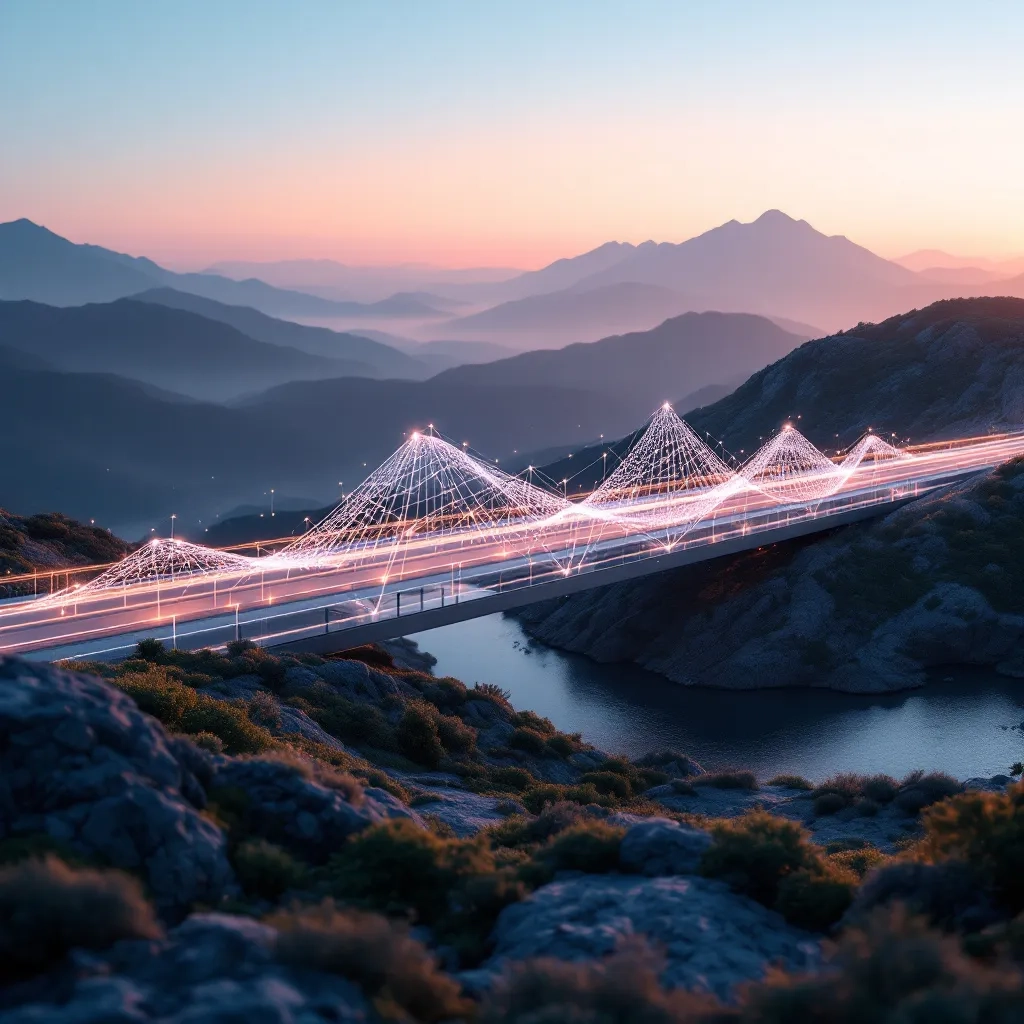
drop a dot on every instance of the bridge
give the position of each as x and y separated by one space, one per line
438 535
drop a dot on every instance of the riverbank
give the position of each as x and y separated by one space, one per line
871 608
966 722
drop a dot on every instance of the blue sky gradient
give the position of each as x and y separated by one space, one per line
507 132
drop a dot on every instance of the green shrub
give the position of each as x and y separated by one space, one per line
397 867
446 694
511 778
531 720
150 649
624 988
845 785
395 970
790 782
880 788
48 909
562 745
829 803
861 860
456 737
417 734
893 970
918 791
266 870
264 710
536 798
588 846
355 722
182 709
753 853
528 740
608 783
986 832
816 898
727 780
865 808
491 692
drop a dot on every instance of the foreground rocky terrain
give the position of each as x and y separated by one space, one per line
869 608
234 836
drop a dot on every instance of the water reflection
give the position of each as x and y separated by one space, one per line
965 723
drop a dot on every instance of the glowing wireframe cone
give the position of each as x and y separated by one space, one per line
428 489
669 457
789 467
872 448
159 559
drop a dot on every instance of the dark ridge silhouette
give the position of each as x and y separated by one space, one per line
646 368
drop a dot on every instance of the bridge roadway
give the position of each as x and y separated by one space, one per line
366 595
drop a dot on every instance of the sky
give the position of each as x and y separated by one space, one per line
467 133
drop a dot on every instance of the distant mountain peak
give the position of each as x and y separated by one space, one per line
777 217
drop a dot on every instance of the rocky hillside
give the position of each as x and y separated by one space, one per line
224 836
952 369
869 608
53 541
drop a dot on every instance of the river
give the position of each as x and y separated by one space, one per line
964 723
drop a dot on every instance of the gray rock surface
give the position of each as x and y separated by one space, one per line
465 813
712 938
884 829
213 969
80 763
291 807
660 846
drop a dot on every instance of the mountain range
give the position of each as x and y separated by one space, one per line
682 355
775 266
173 349
38 264
96 445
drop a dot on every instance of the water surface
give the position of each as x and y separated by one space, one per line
964 723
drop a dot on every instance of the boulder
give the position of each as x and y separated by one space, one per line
213 968
660 846
712 938
80 763
287 804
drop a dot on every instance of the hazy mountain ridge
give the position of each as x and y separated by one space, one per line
39 265
173 349
375 358
775 266
99 446
645 368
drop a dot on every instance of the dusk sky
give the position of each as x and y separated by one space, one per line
488 133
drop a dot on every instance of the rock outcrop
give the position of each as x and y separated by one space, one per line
81 764
867 609
713 938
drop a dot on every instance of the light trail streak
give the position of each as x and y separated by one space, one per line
438 521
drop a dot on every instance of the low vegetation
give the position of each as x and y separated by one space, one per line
48 908
772 860
349 909
397 971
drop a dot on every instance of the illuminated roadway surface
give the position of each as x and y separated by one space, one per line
363 592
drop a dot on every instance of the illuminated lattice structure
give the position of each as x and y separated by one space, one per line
873 449
160 560
427 491
668 457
